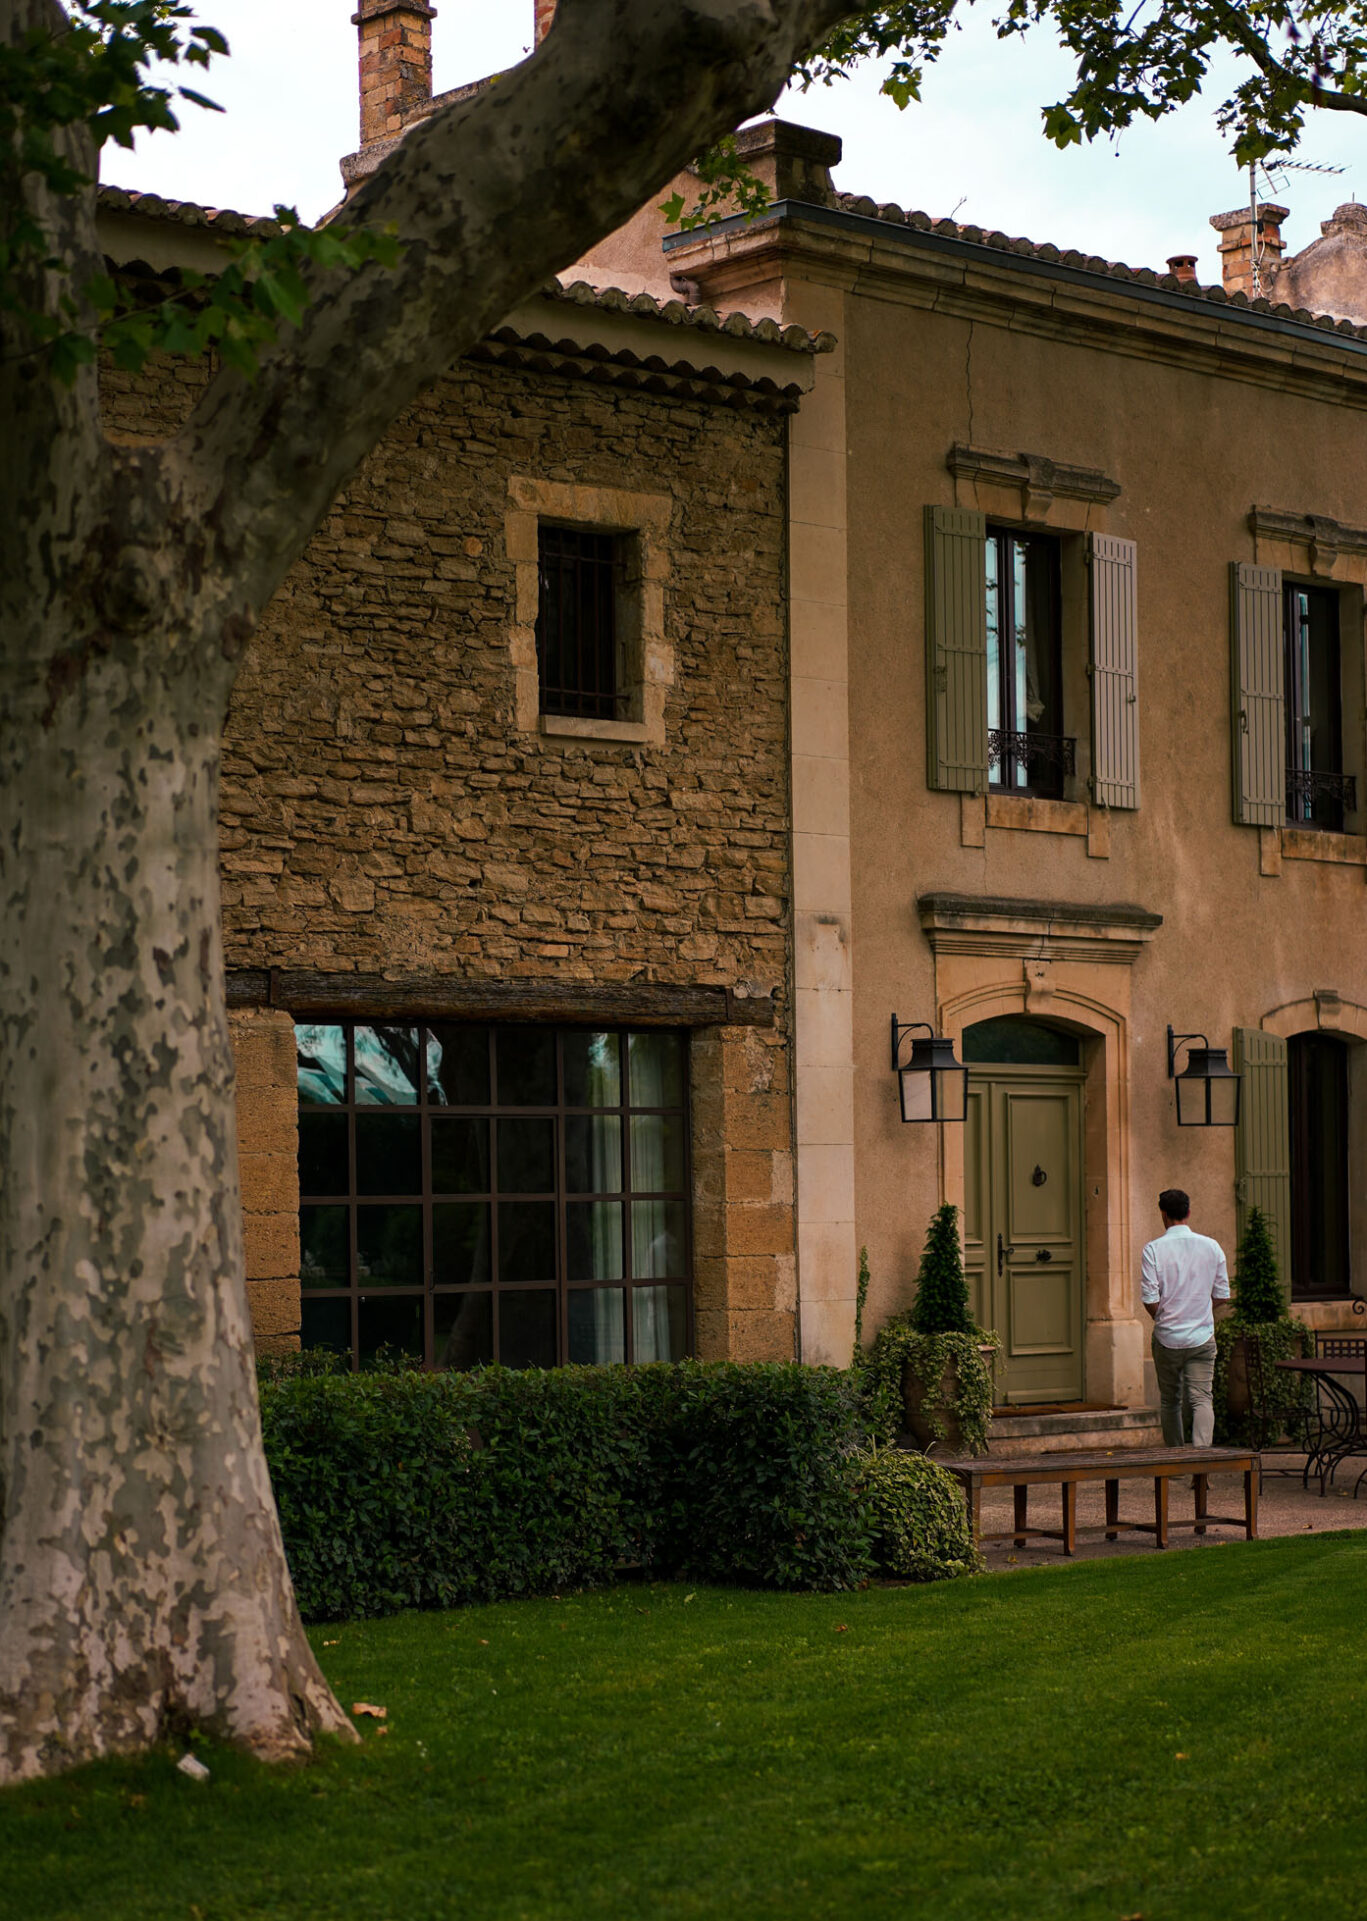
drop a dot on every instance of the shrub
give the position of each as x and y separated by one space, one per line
404 1489
1290 1397
920 1523
941 1304
1258 1296
1260 1309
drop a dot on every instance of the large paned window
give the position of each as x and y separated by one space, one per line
1317 789
1027 750
1318 1074
577 638
472 1194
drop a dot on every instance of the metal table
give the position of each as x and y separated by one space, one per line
1340 1432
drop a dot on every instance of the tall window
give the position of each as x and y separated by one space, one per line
1028 752
1319 1164
576 627
1317 789
472 1194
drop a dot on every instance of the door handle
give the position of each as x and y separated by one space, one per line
1002 1252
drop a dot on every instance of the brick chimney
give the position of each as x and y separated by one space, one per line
1183 266
545 14
1236 247
396 64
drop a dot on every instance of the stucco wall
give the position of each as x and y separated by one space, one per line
1192 452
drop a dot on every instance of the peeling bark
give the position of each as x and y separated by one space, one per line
143 1586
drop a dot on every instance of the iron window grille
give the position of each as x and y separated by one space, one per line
1037 753
1311 793
577 645
471 1194
1028 752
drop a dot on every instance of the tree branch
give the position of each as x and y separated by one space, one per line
54 474
1241 34
489 198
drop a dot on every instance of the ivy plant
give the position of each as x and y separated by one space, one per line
921 1530
936 1338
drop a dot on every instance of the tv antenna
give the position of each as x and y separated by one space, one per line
1274 176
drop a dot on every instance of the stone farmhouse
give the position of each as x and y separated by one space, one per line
773 632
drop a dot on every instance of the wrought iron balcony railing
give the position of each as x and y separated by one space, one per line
1036 753
1310 792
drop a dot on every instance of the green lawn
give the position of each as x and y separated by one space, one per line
1181 1735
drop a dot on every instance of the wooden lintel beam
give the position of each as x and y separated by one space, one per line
439 997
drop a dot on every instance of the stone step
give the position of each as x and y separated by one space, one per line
1117 1427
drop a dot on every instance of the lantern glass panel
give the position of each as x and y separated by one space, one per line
951 1102
1191 1100
916 1094
1224 1100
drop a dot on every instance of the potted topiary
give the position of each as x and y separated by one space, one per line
1260 1316
934 1358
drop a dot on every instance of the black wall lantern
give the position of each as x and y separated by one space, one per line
933 1085
1207 1087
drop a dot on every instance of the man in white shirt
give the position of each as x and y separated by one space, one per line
1182 1275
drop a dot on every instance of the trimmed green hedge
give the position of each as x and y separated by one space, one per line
400 1489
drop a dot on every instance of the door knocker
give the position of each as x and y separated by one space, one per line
1039 1177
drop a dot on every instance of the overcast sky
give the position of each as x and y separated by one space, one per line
290 96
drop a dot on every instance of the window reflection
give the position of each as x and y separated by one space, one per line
656 1073
593 1071
596 1328
386 1066
659 1323
321 1056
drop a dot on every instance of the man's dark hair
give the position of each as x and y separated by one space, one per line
1174 1203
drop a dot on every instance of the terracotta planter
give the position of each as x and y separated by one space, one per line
1238 1389
915 1399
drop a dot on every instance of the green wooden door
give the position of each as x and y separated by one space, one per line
1023 1234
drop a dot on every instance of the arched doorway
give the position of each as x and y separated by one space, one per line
1023 1202
1318 1101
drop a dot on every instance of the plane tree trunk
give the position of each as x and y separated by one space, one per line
143 1585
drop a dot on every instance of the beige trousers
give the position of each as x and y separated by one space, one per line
1185 1375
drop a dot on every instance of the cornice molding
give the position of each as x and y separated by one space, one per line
995 924
1325 539
1039 479
1050 301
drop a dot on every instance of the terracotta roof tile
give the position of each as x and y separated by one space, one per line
1091 263
579 292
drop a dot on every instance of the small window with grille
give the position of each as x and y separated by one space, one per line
579 626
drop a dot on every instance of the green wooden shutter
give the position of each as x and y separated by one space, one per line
1262 1140
1115 672
956 649
1259 696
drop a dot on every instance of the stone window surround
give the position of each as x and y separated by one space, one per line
1317 547
651 657
1033 491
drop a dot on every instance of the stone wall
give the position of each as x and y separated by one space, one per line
382 809
391 808
268 1163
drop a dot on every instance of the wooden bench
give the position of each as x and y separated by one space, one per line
1159 1464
